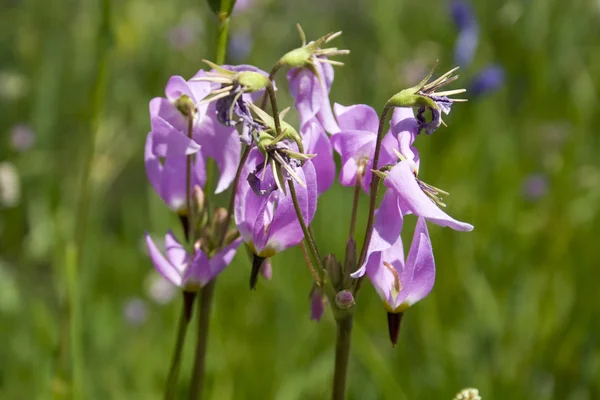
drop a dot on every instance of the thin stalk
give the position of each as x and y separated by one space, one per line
188 184
342 353
274 108
204 307
177 353
373 193
309 239
236 181
206 293
75 256
263 101
357 187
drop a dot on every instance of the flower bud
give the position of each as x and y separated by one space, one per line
186 106
334 270
344 300
252 81
317 302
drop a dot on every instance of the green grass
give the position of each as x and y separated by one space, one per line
515 308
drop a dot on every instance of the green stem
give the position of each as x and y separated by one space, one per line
236 180
188 185
373 194
75 250
204 308
177 353
275 109
357 187
342 354
222 33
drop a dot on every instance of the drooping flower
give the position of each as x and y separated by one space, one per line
468 35
311 94
268 223
173 118
169 178
186 271
356 141
425 97
401 282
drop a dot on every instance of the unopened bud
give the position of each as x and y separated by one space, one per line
317 302
186 106
344 300
334 270
267 270
198 198
252 81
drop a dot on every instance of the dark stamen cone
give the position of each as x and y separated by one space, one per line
256 264
185 225
394 320
188 304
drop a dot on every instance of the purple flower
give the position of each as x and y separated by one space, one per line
317 142
401 284
169 178
317 303
22 137
183 270
488 80
535 187
418 198
357 139
311 95
268 223
468 36
169 124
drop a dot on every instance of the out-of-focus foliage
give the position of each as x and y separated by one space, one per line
515 308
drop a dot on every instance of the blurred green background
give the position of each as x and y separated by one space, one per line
515 310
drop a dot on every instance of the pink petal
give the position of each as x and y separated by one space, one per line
420 259
358 117
168 271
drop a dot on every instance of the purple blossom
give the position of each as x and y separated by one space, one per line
22 137
488 80
268 223
415 197
400 283
169 178
169 125
535 186
183 270
311 95
468 36
317 142
357 139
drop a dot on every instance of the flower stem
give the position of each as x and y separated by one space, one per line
177 353
222 33
204 308
236 180
309 239
342 353
357 187
188 185
274 108
373 193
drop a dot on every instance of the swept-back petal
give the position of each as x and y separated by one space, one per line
167 139
223 258
359 117
176 253
166 269
412 199
317 142
220 143
420 259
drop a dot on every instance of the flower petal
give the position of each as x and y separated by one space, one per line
168 271
420 259
358 117
176 253
317 142
167 140
307 91
223 258
413 199
220 143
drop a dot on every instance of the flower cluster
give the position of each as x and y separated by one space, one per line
277 172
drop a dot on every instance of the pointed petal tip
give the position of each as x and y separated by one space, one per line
257 262
394 320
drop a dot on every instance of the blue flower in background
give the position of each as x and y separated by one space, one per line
487 80
468 36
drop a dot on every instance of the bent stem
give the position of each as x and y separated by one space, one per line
342 354
373 194
177 353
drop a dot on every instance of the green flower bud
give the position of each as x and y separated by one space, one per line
252 81
186 106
